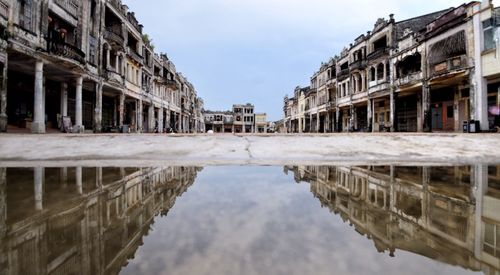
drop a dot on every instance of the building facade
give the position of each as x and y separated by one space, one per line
429 73
87 65
242 119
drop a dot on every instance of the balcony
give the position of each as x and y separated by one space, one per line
113 35
70 6
449 65
66 50
358 65
409 79
113 76
4 10
378 53
135 56
343 74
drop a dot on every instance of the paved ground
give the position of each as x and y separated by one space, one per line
145 150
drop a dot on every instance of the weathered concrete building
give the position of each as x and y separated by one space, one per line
87 65
82 220
444 213
428 73
242 119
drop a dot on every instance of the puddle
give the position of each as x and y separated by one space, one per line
250 220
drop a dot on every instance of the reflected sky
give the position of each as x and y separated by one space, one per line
250 220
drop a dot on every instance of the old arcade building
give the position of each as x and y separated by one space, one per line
443 213
82 220
84 65
435 72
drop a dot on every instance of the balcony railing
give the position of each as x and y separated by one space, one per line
450 64
4 10
114 35
358 65
70 6
343 74
378 53
409 79
134 55
66 50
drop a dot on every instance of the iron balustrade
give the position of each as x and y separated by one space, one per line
61 48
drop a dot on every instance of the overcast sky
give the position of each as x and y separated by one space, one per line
257 51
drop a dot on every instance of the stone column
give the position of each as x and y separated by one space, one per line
79 128
351 118
426 108
420 127
121 110
38 126
151 118
99 177
63 174
392 99
98 108
3 98
369 112
337 120
39 175
160 120
481 188
479 87
64 99
3 202
138 107
317 123
79 183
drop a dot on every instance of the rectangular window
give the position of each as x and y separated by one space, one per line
489 35
26 14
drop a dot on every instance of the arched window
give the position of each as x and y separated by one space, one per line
373 74
380 71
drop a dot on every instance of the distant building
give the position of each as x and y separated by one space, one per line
241 119
261 123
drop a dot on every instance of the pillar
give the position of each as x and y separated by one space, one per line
317 122
79 183
351 118
63 176
420 127
39 175
121 110
3 98
160 120
392 103
3 202
38 126
151 118
480 182
98 108
369 111
64 99
479 91
99 177
138 111
426 108
79 128
337 120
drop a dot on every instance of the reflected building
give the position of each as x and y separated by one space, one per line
81 220
449 214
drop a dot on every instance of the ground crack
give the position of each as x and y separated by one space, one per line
247 148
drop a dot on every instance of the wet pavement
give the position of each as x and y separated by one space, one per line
250 220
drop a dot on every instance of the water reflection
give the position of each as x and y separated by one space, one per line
449 214
95 220
81 220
